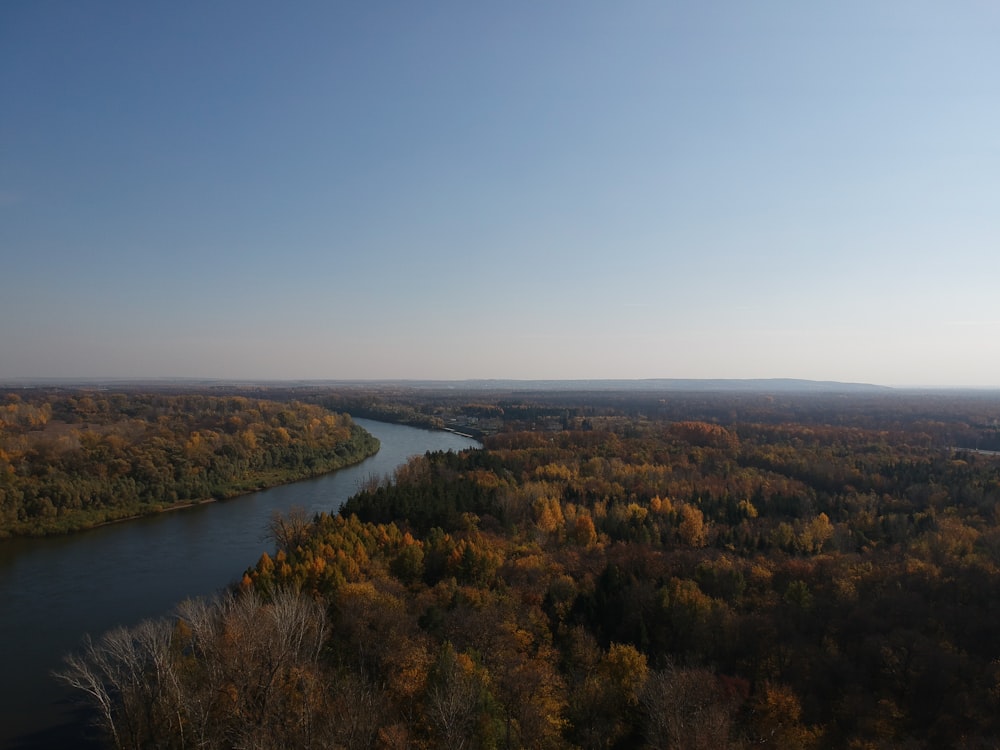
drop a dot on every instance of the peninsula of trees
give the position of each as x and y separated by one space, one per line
718 573
71 460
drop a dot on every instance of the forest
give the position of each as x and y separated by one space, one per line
793 578
71 460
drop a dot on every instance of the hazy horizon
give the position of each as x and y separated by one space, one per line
750 385
444 191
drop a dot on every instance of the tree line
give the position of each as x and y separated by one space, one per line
641 583
71 460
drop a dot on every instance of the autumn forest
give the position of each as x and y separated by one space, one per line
610 570
73 460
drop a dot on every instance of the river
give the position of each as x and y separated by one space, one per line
54 590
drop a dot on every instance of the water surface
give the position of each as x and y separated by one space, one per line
54 590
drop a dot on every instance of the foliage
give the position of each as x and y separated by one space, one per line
663 584
74 460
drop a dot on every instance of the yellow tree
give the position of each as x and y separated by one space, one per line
692 529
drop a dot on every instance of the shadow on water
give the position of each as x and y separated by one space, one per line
78 731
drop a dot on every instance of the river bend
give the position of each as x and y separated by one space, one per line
54 590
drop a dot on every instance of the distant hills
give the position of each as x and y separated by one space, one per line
757 385
719 385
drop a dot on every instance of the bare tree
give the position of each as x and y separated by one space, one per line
454 698
129 677
290 530
237 671
685 708
88 672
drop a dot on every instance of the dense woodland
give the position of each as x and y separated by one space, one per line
74 459
967 419
637 582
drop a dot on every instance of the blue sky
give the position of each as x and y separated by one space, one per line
455 190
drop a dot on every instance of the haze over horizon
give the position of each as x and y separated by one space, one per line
532 191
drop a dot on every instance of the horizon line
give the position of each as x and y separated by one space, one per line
22 381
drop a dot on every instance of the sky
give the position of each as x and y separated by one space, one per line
529 190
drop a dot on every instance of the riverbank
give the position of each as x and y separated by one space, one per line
360 446
56 589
